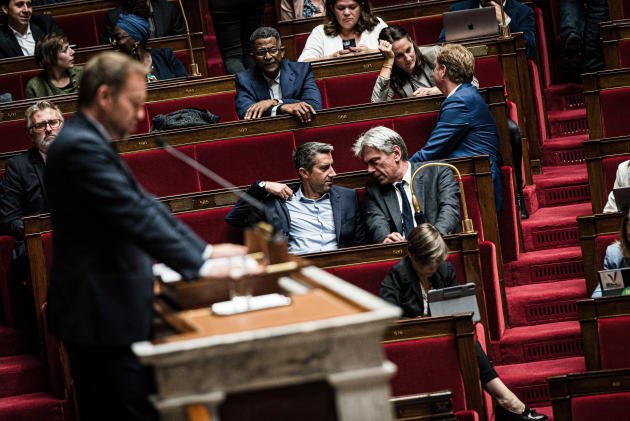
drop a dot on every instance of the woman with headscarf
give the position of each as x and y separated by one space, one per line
54 54
130 36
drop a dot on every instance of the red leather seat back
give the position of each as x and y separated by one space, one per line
367 276
489 72
350 90
219 104
415 129
80 29
210 225
613 111
613 342
605 406
14 136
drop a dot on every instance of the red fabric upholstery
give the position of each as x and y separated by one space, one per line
367 276
321 84
541 46
8 287
361 197
161 174
626 9
350 90
460 272
14 84
489 72
613 342
472 202
219 104
613 108
424 30
342 137
601 243
609 169
299 41
467 415
427 365
14 136
211 226
184 57
624 52
213 55
55 368
415 129
80 28
606 406
492 288
48 250
508 219
241 160
538 100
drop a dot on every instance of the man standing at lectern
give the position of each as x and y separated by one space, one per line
106 232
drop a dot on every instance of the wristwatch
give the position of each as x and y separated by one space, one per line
262 184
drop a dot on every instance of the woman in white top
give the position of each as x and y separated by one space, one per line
350 28
621 180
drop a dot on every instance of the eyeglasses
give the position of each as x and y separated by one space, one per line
41 126
262 53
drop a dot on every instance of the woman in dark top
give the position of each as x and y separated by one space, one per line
130 36
407 284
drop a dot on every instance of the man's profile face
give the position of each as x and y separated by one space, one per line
18 12
384 167
126 108
268 54
320 179
41 132
439 74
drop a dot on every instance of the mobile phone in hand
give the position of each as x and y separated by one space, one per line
348 43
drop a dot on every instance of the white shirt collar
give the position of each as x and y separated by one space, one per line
453 91
19 35
407 177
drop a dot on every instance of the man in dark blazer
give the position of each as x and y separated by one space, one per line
275 85
23 29
519 17
385 154
107 231
163 16
465 125
315 215
23 190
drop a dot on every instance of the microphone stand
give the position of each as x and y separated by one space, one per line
194 67
505 30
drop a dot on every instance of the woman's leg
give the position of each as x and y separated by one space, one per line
494 386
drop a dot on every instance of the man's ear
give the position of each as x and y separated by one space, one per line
396 152
103 96
303 173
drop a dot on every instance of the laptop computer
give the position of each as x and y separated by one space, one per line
470 23
452 300
614 281
622 198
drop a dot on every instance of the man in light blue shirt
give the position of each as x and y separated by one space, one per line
314 215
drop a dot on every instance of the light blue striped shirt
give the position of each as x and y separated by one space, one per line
312 224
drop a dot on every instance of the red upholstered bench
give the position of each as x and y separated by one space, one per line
14 136
610 406
424 30
80 28
219 104
213 55
14 84
609 169
350 90
489 71
613 342
613 111
415 129
210 225
367 276
161 174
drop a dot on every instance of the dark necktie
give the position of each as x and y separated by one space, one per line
407 216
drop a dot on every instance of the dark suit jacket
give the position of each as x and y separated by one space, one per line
296 81
23 191
465 127
345 208
521 20
401 286
107 231
166 18
437 193
40 25
166 64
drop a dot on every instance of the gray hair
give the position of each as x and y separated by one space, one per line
382 139
304 155
264 32
40 106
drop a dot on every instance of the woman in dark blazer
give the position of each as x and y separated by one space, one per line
407 284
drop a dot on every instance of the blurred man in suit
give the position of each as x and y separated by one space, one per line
23 29
388 204
275 85
107 233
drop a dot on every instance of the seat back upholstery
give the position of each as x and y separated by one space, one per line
613 343
624 52
610 406
609 168
219 104
81 28
350 90
210 225
613 108
424 30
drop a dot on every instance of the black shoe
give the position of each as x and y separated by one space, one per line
572 60
520 202
529 414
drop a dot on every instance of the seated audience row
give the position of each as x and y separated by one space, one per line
622 179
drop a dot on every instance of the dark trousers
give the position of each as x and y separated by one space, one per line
516 141
574 18
111 384
486 371
234 21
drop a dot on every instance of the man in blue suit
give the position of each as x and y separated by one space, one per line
275 86
465 124
519 18
315 215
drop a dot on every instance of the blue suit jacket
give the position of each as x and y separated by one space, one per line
465 127
521 20
349 227
296 81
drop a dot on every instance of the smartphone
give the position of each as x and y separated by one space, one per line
348 43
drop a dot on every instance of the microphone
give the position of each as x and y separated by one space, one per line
194 67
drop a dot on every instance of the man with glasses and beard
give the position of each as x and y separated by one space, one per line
275 86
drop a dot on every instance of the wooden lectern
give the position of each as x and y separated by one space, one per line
319 358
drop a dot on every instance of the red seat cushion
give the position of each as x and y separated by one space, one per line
415 129
613 107
367 276
489 71
350 90
80 29
605 406
245 160
161 174
342 137
219 104
210 225
613 343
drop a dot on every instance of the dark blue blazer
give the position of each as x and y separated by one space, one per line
349 227
465 127
107 231
166 65
296 81
521 20
40 25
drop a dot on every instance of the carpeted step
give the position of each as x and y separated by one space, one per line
544 303
553 227
562 184
547 341
529 380
567 122
564 96
21 374
12 342
549 265
566 150
32 407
